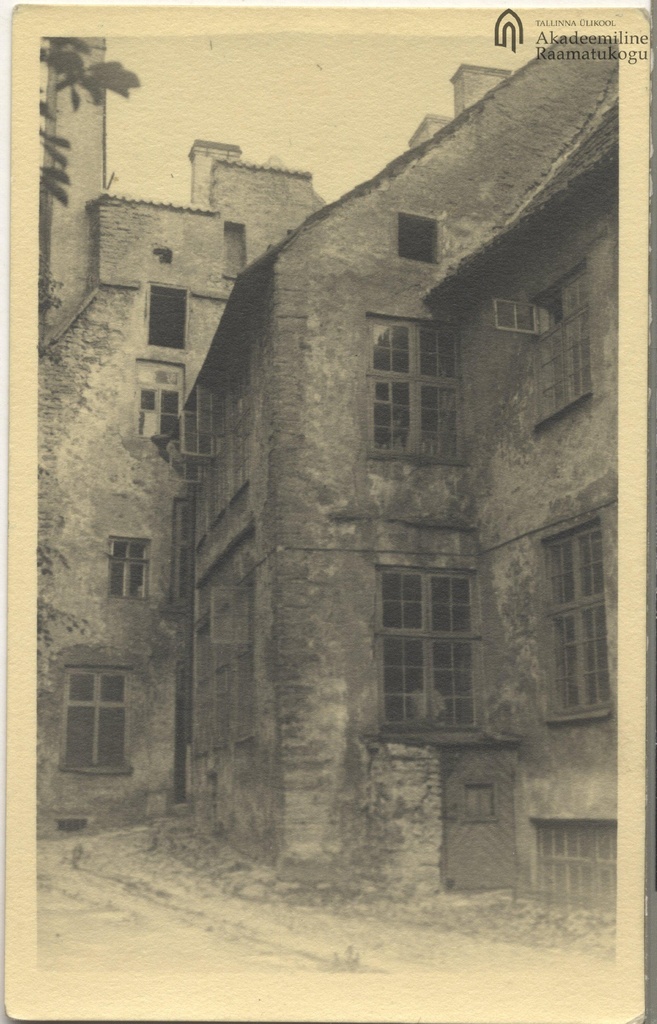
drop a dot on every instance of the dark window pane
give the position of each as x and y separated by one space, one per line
167 316
394 709
111 731
137 549
137 577
416 238
81 687
119 548
116 579
505 313
234 248
392 614
148 400
170 402
79 737
447 357
428 353
382 392
112 688
391 586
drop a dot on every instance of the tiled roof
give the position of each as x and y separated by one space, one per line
107 197
264 167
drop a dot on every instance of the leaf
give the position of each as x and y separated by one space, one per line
67 63
111 75
53 189
75 98
57 140
69 41
52 172
54 153
44 109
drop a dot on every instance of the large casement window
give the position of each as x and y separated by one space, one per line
577 862
426 647
578 620
413 390
564 353
128 567
95 732
233 427
159 391
167 316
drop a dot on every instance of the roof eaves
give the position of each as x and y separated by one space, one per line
106 198
291 172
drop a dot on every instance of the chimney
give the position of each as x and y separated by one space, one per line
202 155
471 82
429 125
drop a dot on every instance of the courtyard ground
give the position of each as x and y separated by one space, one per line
159 896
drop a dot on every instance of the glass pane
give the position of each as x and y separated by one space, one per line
505 313
524 316
81 687
120 548
136 581
147 400
170 402
137 549
112 688
447 357
111 730
428 353
79 737
116 579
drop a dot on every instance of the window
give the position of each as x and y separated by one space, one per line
234 249
416 238
182 574
413 390
515 316
478 801
426 645
167 317
578 619
198 425
95 719
564 346
577 861
128 567
233 425
159 389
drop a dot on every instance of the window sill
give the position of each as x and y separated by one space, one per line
124 770
565 409
420 460
581 715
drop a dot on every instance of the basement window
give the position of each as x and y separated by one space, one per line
95 720
577 862
234 249
167 317
416 238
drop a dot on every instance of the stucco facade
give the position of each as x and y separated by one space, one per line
374 640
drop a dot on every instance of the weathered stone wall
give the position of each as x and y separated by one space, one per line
269 202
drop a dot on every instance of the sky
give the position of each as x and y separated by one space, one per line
340 106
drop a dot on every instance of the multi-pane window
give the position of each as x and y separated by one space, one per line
417 238
95 719
577 862
128 567
426 647
414 390
515 316
564 346
576 573
167 316
159 389
233 425
199 430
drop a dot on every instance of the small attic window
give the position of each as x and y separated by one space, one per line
515 316
416 238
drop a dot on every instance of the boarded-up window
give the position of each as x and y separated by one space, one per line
95 719
167 317
234 249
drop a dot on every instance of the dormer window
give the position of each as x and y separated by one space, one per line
416 238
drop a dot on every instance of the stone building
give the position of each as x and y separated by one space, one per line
404 429
143 286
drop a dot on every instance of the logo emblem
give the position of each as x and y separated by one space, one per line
508 29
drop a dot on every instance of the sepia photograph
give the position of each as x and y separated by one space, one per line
327 624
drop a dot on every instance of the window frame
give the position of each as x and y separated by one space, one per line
126 562
552 330
429 637
465 816
576 608
149 299
568 861
154 366
97 672
416 381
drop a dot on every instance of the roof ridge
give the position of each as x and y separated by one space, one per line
104 197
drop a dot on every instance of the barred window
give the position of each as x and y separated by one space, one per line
426 647
128 567
413 382
564 345
579 627
95 719
577 861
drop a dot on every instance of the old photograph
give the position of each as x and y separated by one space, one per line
328 451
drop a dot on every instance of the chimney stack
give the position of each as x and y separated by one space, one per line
202 156
429 125
471 82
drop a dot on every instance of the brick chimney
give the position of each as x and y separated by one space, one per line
471 82
428 126
202 155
